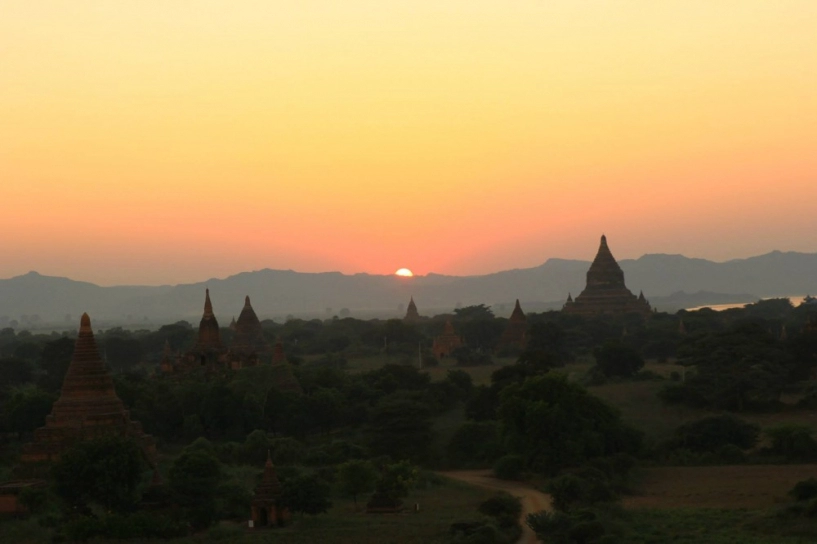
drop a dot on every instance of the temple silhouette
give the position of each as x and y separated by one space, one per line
605 292
88 407
248 348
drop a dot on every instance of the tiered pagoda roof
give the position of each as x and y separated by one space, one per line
209 338
88 406
605 292
249 335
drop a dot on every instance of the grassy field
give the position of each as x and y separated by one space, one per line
440 506
739 486
711 526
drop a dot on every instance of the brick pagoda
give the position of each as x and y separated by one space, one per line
411 312
265 509
88 407
249 347
515 334
605 293
447 342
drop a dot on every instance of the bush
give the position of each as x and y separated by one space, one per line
504 507
475 443
710 434
793 442
584 526
804 490
588 487
616 359
509 467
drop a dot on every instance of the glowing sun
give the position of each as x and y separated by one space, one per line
405 272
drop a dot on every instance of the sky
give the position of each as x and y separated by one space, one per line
173 141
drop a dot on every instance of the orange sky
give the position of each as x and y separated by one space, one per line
173 141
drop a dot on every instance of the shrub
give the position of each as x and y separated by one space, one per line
509 467
793 442
504 507
804 490
588 487
616 359
475 443
712 433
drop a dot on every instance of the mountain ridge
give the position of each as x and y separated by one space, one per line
277 292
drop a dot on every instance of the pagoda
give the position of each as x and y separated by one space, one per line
265 510
515 334
209 338
208 350
605 293
88 407
249 346
411 312
447 342
283 378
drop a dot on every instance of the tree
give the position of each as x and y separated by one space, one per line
396 480
401 428
555 423
14 371
105 471
55 358
548 338
711 433
736 369
616 359
305 493
355 477
27 409
194 479
474 444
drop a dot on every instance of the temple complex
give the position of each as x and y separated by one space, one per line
516 332
265 510
447 342
411 312
249 347
605 293
88 407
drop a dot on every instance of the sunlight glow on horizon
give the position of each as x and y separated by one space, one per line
156 143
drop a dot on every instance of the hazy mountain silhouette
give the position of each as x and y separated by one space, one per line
668 281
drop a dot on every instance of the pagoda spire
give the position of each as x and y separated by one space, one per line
411 312
517 314
209 337
208 306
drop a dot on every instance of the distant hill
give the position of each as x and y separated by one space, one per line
668 281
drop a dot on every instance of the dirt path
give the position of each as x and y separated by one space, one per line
532 499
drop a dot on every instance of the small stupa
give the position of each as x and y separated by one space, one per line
447 342
411 312
265 509
515 333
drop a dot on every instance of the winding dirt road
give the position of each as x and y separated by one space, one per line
532 499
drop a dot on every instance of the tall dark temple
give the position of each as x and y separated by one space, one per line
605 292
